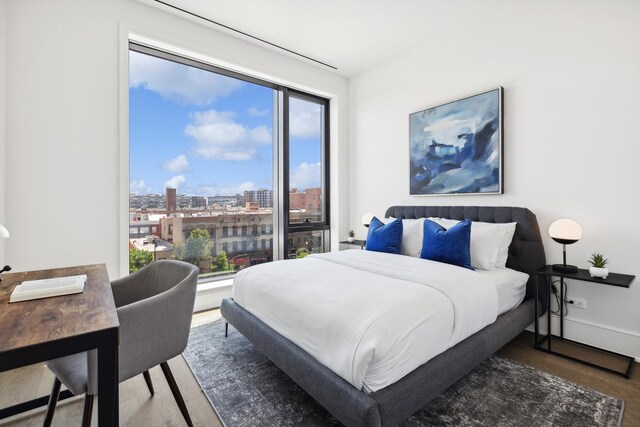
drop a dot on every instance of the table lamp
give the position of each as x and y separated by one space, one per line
4 234
565 232
366 219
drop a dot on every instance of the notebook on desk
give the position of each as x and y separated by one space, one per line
44 288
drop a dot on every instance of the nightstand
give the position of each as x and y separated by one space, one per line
609 361
361 243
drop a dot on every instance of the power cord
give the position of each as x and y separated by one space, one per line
563 298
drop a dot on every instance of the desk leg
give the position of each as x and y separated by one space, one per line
108 414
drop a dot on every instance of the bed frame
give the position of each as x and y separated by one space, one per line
396 402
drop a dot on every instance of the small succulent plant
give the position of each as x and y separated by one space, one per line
598 260
352 233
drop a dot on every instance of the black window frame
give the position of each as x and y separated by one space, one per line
325 224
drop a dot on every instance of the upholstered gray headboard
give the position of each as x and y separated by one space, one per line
526 252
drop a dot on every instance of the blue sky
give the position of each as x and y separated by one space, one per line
208 134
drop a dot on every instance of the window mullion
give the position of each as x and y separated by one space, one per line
281 182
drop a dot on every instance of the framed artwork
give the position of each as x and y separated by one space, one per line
456 148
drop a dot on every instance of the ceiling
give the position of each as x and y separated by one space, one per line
351 35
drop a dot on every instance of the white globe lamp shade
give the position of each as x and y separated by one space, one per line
366 219
565 231
4 233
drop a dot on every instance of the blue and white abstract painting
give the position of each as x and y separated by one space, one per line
456 148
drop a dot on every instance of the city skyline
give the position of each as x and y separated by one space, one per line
208 134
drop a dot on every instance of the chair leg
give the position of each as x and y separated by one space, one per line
88 409
176 392
226 329
53 401
147 379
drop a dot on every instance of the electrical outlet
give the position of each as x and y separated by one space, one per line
579 303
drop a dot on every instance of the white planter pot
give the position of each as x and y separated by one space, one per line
350 239
599 272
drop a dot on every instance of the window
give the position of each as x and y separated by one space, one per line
307 152
210 149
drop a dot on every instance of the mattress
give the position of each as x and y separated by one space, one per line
511 286
370 317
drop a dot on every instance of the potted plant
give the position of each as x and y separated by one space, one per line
352 236
598 265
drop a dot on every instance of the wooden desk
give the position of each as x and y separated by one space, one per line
40 330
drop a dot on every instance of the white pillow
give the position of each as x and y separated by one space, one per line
489 242
412 236
503 252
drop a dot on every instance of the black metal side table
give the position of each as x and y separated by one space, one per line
565 347
361 243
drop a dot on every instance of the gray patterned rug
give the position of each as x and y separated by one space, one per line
246 389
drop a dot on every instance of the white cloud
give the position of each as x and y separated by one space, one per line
254 112
139 187
306 175
178 82
175 182
215 190
219 136
304 118
177 165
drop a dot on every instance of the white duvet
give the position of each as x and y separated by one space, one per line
370 317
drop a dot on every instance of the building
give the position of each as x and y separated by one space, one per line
263 197
198 202
234 233
161 249
147 201
308 202
228 200
138 229
172 204
297 199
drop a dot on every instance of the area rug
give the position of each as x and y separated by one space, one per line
246 389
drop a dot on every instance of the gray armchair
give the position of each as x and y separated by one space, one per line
155 307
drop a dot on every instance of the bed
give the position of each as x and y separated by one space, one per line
390 404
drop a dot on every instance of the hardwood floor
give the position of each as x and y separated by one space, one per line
138 408
521 349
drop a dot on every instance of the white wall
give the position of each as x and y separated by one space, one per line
572 101
3 73
66 104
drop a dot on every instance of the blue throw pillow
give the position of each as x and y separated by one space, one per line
384 238
450 246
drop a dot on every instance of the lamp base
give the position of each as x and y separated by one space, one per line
5 268
565 268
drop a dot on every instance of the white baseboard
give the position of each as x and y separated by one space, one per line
210 295
603 336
